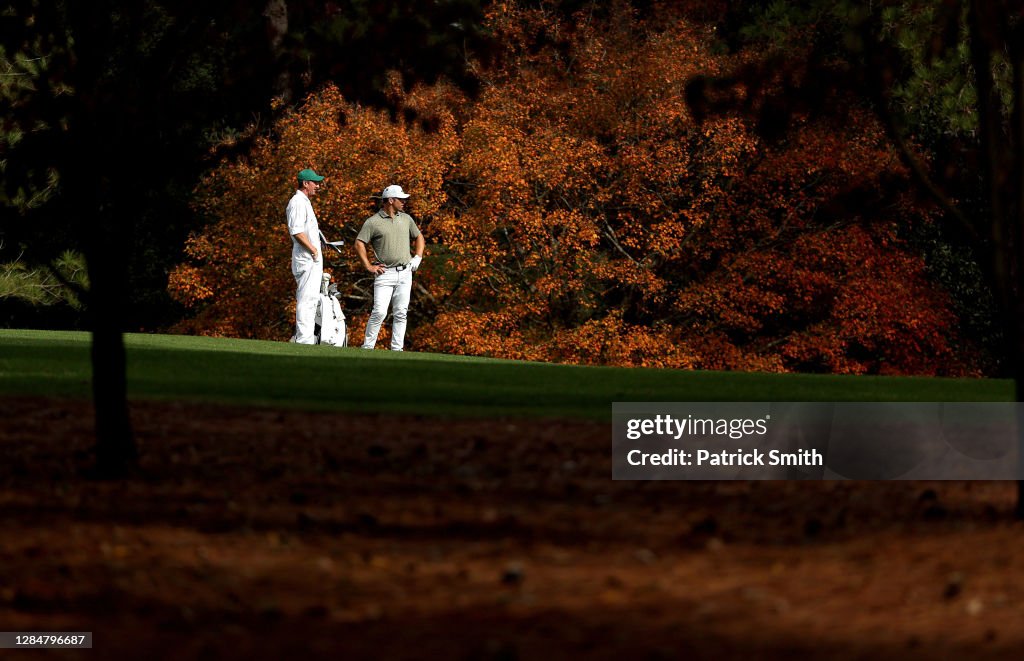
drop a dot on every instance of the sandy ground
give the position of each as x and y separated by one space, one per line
272 534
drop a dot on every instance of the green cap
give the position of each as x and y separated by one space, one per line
309 175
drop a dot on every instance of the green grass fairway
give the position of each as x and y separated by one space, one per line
247 372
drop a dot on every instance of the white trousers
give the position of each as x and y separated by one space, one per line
389 288
307 294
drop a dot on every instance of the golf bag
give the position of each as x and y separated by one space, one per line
330 320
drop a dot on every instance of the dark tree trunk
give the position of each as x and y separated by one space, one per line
103 176
276 14
116 452
1003 173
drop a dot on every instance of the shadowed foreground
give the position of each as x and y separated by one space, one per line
262 533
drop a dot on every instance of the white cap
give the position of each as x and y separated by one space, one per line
394 191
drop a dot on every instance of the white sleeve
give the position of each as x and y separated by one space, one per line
296 215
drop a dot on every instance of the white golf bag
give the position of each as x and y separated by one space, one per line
330 320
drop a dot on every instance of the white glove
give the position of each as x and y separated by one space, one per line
415 263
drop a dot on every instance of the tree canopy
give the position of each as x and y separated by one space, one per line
584 207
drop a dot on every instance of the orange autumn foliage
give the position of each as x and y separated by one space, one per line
238 279
576 211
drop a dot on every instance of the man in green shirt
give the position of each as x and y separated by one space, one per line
389 232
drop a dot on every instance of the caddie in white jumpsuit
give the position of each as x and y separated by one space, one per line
307 263
389 232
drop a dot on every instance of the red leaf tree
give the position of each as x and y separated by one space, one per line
576 211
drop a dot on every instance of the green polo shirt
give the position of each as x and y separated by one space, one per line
390 237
